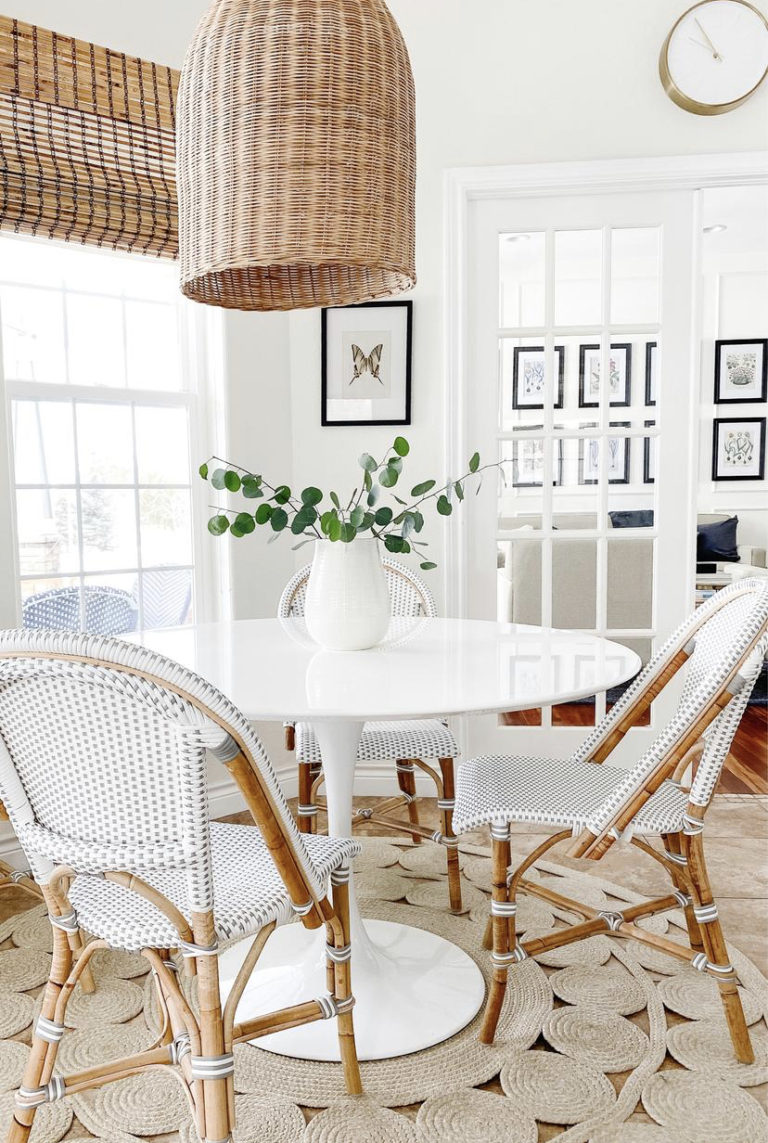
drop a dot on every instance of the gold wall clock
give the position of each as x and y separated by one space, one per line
715 57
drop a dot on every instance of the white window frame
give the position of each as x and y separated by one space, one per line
200 395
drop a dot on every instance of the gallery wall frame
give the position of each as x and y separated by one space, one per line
741 370
367 346
621 380
738 448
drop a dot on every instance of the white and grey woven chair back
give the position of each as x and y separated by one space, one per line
107 610
732 637
408 593
166 598
103 763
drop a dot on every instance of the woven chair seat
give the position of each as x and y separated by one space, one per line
426 738
555 792
247 887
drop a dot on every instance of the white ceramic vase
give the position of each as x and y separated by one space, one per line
347 606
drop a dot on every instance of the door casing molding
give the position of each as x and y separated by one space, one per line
464 185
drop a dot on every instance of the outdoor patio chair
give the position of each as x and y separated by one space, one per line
108 610
410 744
723 643
103 772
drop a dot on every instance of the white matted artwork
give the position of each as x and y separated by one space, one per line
738 449
366 364
617 463
620 375
741 371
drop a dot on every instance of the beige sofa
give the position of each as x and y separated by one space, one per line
629 574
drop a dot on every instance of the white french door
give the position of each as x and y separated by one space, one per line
581 378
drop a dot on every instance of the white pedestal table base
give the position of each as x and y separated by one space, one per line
412 989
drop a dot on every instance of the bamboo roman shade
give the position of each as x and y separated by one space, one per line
87 143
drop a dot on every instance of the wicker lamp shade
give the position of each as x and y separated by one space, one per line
296 153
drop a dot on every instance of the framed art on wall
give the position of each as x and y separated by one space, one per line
620 379
366 364
649 456
651 371
528 463
618 458
529 375
741 371
738 449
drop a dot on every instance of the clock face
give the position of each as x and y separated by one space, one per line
716 54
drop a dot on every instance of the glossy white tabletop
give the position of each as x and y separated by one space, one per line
272 670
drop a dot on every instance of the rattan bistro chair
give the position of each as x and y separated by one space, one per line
724 643
103 771
410 744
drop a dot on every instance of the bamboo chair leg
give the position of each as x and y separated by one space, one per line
406 780
307 820
502 954
339 975
715 948
41 1059
451 851
218 1093
674 843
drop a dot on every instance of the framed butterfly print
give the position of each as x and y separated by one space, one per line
366 364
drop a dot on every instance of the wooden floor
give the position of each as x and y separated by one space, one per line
745 772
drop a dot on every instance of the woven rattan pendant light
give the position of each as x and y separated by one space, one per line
296 155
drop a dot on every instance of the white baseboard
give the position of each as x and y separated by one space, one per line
224 798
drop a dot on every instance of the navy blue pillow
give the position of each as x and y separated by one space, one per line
717 541
639 518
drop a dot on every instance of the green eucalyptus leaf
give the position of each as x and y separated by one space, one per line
399 501
474 463
203 471
459 489
394 543
367 462
218 525
236 531
395 463
282 494
418 521
356 516
423 488
383 517
218 479
278 519
348 533
373 495
232 481
389 477
427 566
367 522
335 500
325 521
298 525
444 506
334 529
246 523
408 525
311 496
367 482
401 446
252 487
263 513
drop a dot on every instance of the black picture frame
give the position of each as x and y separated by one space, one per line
650 397
329 422
558 480
648 442
624 478
717 427
724 343
520 349
626 346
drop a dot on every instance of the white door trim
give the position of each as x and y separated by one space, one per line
462 185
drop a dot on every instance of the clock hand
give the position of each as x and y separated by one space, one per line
715 52
699 44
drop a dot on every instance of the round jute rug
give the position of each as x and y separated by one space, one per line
603 1041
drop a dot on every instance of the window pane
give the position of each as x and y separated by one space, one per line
635 275
105 443
95 340
578 277
574 584
109 529
522 274
630 584
166 527
162 445
33 334
43 442
152 346
47 531
167 598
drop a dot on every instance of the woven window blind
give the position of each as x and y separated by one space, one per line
87 143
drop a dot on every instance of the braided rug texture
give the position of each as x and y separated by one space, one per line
604 1041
